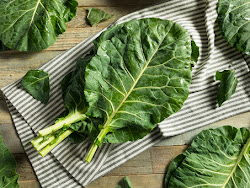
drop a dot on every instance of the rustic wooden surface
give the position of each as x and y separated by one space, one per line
145 170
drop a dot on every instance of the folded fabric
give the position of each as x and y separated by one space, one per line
65 166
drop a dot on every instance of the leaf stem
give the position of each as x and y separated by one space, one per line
49 147
72 118
41 144
96 144
242 153
91 153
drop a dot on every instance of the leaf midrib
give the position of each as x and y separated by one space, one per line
244 149
136 81
38 80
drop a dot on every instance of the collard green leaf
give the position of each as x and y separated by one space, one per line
74 100
139 76
233 19
8 175
96 16
34 25
227 85
125 183
36 83
195 52
216 158
73 87
172 168
2 47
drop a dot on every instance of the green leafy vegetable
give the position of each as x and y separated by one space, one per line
227 85
138 78
2 47
125 183
233 19
138 74
36 83
195 52
34 25
216 158
96 16
8 175
73 118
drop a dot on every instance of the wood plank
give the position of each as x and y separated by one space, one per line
80 20
4 112
10 138
138 181
14 65
24 168
140 164
162 156
29 184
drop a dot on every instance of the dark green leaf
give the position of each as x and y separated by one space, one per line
77 137
2 47
78 126
233 19
34 25
36 83
74 100
172 168
73 87
216 158
195 52
227 85
125 183
139 76
8 175
96 16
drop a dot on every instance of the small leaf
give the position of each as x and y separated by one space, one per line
8 175
36 83
125 183
233 20
227 86
195 52
96 16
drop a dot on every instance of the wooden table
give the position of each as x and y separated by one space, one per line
145 170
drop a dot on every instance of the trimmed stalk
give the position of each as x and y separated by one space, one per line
66 121
36 141
41 144
49 147
96 144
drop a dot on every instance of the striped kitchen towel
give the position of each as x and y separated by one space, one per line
64 166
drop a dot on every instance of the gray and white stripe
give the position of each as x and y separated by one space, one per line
64 166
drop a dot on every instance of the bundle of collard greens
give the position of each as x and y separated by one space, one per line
137 74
